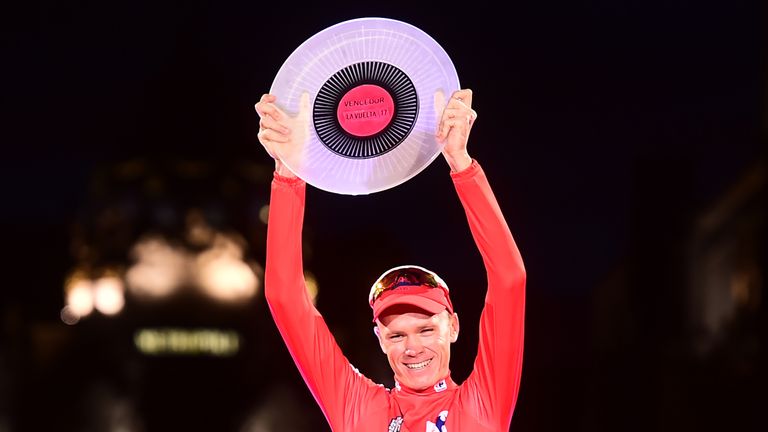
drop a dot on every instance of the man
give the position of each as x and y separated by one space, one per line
412 310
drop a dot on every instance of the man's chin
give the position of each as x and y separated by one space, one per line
417 384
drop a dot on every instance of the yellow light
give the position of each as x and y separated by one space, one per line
160 268
177 341
222 274
311 283
79 293
264 213
108 295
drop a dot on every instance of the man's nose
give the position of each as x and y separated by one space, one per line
413 347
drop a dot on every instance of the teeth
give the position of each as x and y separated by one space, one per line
418 365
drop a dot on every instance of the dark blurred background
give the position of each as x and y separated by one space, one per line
625 141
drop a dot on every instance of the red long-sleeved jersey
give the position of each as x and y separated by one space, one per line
352 402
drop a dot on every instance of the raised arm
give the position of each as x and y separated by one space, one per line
494 383
329 376
495 380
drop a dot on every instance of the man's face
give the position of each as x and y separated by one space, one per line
418 345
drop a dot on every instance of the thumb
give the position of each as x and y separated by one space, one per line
304 107
439 104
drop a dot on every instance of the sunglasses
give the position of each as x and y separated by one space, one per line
408 275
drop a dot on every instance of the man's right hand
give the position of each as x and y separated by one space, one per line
279 133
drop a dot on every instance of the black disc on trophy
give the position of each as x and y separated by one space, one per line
365 110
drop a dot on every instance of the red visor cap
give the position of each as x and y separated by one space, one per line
431 299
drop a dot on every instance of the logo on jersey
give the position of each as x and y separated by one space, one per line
439 424
395 424
440 386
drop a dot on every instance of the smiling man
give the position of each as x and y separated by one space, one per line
415 320
415 324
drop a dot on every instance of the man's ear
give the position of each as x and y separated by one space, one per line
454 327
377 332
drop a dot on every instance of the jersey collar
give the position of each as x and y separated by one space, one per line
439 387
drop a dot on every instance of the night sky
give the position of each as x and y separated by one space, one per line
573 99
586 109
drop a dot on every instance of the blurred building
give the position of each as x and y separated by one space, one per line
679 331
163 324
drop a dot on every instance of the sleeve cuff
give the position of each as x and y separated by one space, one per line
467 173
287 181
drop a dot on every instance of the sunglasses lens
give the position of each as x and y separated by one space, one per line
403 276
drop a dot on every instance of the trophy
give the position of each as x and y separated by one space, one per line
372 91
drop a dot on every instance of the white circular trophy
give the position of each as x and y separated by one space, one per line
370 92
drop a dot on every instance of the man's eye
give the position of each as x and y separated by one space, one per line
427 330
395 337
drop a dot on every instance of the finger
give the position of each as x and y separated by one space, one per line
261 109
439 103
456 111
269 136
266 107
472 117
446 123
458 122
457 104
460 125
265 100
462 112
464 96
267 122
444 127
271 110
